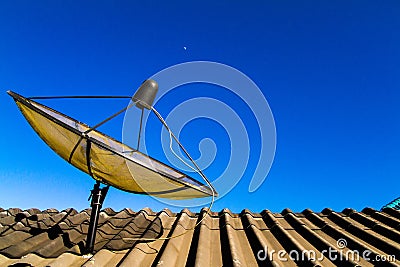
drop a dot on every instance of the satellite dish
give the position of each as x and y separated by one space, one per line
107 160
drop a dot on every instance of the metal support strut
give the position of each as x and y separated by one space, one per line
98 195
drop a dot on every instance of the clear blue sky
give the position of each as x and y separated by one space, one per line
330 71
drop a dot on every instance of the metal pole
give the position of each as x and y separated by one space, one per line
140 129
98 195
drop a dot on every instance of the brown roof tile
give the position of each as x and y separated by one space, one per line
56 238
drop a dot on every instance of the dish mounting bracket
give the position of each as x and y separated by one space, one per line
98 195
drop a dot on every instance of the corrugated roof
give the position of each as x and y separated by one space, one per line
395 204
56 238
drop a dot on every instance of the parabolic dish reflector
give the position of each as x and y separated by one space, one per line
106 159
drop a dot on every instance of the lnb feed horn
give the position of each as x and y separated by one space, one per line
146 94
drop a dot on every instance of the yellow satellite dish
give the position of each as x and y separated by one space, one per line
107 160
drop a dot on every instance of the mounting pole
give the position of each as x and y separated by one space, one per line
98 195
